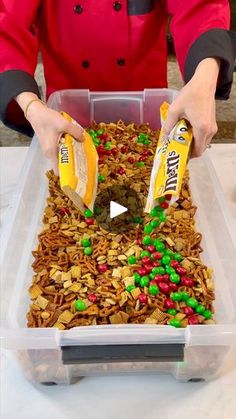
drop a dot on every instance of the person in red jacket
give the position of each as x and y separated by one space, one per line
112 45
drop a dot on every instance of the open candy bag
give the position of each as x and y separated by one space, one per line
170 161
78 169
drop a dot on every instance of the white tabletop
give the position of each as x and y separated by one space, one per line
133 397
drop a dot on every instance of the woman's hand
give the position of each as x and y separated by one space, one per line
196 103
49 126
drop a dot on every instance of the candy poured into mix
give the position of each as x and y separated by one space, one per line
151 274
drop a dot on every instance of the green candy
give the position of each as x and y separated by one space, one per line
153 289
176 296
175 322
152 275
159 245
148 229
132 260
169 253
140 163
200 309
88 213
162 199
172 311
142 137
178 257
88 251
185 296
153 212
146 142
130 288
144 281
175 278
80 305
160 270
144 253
85 242
155 223
97 211
156 211
170 270
101 178
192 302
207 314
166 260
137 277
155 270
107 145
162 217
137 220
100 132
92 132
96 142
147 240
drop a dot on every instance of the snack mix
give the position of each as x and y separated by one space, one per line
85 275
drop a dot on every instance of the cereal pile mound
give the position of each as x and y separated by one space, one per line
85 275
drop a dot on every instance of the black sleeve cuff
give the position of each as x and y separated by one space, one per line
217 43
12 83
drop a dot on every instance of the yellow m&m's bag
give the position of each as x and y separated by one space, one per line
170 161
78 169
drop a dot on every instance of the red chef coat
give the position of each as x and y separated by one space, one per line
97 45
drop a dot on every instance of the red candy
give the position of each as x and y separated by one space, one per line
89 221
169 303
157 255
166 277
123 149
187 282
150 248
92 297
142 298
131 159
102 268
108 153
148 268
121 171
142 271
153 282
104 136
146 153
100 160
146 259
139 241
164 205
142 158
193 320
168 197
180 270
173 286
64 211
159 278
188 311
114 151
174 264
155 263
101 149
164 287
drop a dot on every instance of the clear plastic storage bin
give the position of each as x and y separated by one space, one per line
53 356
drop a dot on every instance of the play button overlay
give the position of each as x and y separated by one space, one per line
117 209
